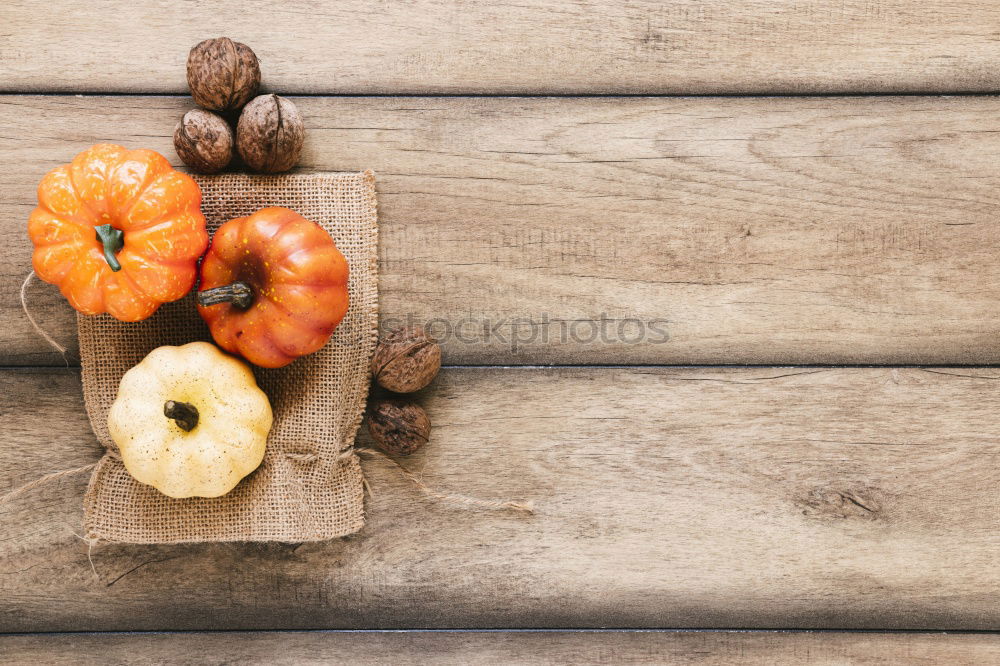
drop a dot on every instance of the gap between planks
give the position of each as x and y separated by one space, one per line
507 647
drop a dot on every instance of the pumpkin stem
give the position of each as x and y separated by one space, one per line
238 293
112 239
183 413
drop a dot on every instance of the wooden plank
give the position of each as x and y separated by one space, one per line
622 230
504 46
752 498
508 648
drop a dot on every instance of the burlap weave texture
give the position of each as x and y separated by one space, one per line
309 487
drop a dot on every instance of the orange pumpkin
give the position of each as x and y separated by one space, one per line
274 287
119 231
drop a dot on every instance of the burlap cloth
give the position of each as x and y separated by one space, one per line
309 487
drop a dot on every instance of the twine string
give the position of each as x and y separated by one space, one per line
453 498
41 481
91 542
38 329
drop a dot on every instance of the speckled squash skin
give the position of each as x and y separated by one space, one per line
299 282
137 192
228 442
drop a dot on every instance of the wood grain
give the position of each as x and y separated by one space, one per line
504 46
622 230
752 498
504 648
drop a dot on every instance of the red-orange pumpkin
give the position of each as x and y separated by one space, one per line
273 287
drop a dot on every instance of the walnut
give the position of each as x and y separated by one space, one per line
222 74
269 134
398 427
204 141
406 360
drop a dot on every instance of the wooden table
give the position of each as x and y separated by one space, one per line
721 279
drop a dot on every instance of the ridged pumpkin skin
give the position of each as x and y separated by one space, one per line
228 442
298 279
138 193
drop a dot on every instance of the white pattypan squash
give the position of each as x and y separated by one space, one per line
190 421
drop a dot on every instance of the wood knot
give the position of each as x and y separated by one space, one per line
858 503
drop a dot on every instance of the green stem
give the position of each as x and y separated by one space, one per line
112 239
239 294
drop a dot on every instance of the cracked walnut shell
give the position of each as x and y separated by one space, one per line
270 134
406 360
222 74
204 141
